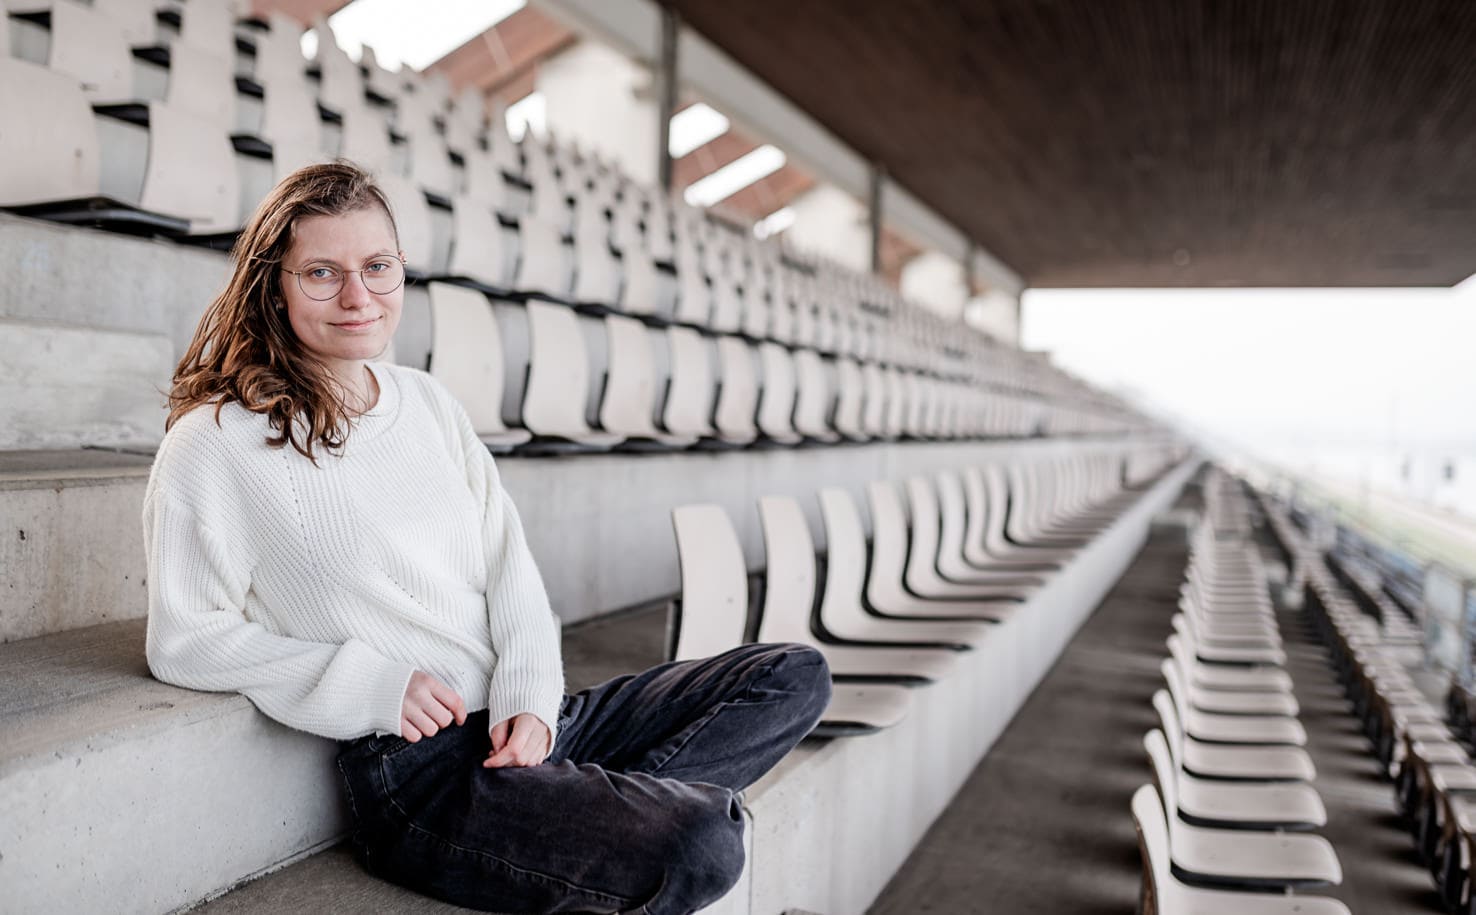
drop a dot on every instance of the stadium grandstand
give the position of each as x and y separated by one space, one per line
733 293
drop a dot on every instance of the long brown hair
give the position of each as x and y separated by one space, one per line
244 348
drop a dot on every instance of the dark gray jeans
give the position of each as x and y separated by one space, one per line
634 811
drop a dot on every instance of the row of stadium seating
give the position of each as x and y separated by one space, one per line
1218 829
1432 773
519 222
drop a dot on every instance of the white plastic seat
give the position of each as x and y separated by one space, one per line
1242 805
843 613
929 551
777 394
1248 762
544 265
1226 702
466 356
738 392
789 595
557 394
1222 654
191 171
874 400
1002 502
687 407
209 25
479 251
412 221
56 157
813 398
714 612
850 400
1222 677
597 266
629 403
1171 896
885 590
954 530
85 44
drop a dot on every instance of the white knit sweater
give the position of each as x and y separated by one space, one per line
318 591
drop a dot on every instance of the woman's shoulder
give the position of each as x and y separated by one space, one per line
424 388
210 443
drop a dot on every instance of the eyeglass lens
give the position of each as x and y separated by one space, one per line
381 276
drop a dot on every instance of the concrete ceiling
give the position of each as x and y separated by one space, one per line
1152 142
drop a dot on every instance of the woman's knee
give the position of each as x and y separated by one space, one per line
804 673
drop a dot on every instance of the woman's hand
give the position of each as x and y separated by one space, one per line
429 706
521 740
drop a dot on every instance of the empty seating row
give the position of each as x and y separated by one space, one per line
887 617
1223 822
1432 773
540 375
187 133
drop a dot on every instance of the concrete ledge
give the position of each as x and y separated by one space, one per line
832 822
598 524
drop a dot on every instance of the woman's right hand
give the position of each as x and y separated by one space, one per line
429 706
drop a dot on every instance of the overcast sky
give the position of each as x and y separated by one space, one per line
1376 369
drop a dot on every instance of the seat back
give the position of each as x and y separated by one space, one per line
738 393
874 400
630 389
1168 720
191 171
56 156
922 551
1165 770
845 559
689 397
813 397
714 606
89 46
478 251
777 395
789 593
1153 843
888 543
466 353
850 397
558 372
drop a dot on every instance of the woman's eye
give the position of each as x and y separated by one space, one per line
377 267
322 273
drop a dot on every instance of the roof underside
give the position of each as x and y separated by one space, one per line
1152 142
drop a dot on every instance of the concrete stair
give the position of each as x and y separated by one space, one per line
72 542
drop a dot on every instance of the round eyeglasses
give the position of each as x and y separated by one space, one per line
321 282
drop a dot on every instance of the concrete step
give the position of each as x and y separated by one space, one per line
72 546
119 793
303 888
63 386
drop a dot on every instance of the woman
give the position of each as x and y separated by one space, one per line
328 536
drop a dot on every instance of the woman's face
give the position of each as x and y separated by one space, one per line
355 325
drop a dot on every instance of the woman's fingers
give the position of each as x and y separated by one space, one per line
450 701
409 731
423 722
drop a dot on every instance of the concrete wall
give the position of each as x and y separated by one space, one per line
935 280
603 101
833 223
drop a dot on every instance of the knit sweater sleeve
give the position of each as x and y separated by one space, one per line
529 676
199 638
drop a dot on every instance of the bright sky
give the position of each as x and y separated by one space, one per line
1278 369
415 34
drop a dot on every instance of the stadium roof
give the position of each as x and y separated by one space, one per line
1152 142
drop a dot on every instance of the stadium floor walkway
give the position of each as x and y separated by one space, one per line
1043 825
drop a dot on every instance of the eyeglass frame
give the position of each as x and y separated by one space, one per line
343 277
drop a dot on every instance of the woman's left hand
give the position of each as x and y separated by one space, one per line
522 740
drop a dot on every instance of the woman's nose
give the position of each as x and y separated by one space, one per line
354 293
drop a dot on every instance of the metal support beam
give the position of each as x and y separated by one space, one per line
874 214
666 76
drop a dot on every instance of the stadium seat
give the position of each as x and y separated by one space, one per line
714 611
630 397
467 359
737 392
844 614
1168 895
886 585
1235 804
1230 761
789 597
943 509
557 394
